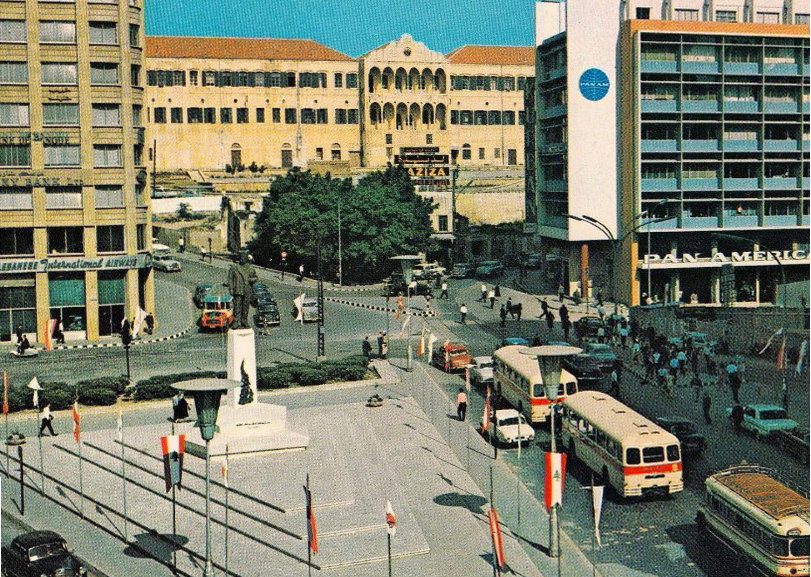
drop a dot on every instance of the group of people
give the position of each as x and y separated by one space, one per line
382 345
23 344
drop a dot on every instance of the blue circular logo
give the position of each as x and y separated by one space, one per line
594 84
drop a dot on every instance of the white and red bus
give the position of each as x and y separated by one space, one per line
518 379
631 453
763 523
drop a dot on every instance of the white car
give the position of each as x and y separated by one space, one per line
482 371
165 263
511 427
427 271
309 310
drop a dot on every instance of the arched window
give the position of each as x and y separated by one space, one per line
402 116
387 78
400 79
414 114
465 151
427 80
439 80
374 113
440 116
374 79
388 114
415 80
427 114
335 151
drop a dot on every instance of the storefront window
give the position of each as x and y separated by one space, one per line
111 302
17 306
66 294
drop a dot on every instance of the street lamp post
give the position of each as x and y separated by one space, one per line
340 260
207 394
549 357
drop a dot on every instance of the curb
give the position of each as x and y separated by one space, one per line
426 314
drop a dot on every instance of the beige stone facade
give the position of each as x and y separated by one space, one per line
293 102
74 210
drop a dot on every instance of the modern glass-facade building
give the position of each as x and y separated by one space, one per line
74 212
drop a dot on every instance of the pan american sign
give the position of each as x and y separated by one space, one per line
719 258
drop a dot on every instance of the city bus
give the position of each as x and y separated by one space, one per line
632 454
762 522
517 378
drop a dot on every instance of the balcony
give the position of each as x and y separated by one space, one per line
652 145
780 182
741 68
780 220
778 145
665 224
689 67
699 105
552 111
750 145
741 106
651 184
781 69
688 221
699 145
658 66
557 73
556 185
699 183
734 220
659 106
781 107
741 183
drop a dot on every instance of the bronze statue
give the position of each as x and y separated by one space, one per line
240 277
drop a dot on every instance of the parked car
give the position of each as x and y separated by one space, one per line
165 263
506 342
200 291
451 357
260 293
586 327
795 441
309 310
482 371
427 271
40 554
267 314
764 420
692 442
586 369
604 355
511 427
489 268
396 285
158 248
217 311
463 270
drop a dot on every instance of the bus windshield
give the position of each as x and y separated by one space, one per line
799 547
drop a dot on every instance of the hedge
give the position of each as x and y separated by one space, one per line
115 384
160 386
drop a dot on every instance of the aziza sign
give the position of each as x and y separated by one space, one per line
745 257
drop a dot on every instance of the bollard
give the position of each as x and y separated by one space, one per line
409 356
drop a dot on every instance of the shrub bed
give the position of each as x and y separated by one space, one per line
160 386
115 384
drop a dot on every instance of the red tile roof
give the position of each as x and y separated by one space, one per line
492 54
240 48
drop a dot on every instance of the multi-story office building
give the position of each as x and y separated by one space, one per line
686 122
74 212
283 103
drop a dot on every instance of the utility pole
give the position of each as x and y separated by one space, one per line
321 341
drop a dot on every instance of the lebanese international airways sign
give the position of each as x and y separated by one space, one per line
594 84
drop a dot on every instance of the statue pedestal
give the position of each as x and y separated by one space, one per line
246 429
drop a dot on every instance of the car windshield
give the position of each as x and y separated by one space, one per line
46 550
508 421
773 414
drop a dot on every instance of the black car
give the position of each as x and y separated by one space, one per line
200 292
586 369
267 314
692 442
586 327
40 554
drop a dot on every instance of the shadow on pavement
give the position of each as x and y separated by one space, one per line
156 546
472 503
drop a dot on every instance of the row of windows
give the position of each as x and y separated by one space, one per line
728 15
485 117
64 32
506 83
65 114
104 155
251 79
731 54
56 197
197 115
103 73
61 240
730 170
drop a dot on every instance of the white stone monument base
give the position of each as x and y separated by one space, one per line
247 430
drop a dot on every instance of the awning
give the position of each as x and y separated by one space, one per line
443 236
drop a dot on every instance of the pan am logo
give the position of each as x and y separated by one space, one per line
594 84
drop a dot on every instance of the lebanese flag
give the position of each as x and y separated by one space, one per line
781 353
421 345
50 325
554 469
76 420
312 536
172 447
392 522
5 393
486 416
495 533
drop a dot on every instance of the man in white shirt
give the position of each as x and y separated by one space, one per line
47 419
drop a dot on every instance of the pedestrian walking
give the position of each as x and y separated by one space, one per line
380 344
384 353
518 310
563 312
636 350
510 307
737 418
181 244
484 293
697 385
566 325
550 319
301 272
561 292
461 404
545 308
706 404
601 311
462 313
59 332
180 407
614 391
503 314
444 293
203 253
492 296
150 323
367 348
623 336
682 356
734 380
601 334
674 368
497 291
600 297
47 420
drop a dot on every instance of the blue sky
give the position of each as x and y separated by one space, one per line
351 26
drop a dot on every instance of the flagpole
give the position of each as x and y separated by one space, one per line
493 544
123 477
594 522
388 535
5 414
309 543
41 462
81 482
174 513
226 510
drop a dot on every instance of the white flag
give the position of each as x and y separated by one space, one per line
404 325
801 360
119 427
431 340
390 519
298 301
138 321
34 385
224 471
597 509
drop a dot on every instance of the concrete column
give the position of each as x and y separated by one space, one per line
91 305
584 265
715 285
43 309
131 293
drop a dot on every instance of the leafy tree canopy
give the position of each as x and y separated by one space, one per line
381 217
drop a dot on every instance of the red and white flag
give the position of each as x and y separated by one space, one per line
554 471
421 345
390 519
486 415
76 420
224 471
5 393
173 447
495 533
312 536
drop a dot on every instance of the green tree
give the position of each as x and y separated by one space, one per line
380 217
184 211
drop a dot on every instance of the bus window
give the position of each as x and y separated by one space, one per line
600 438
632 456
672 452
571 388
799 547
537 391
653 454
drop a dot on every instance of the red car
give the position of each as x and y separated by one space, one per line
451 357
